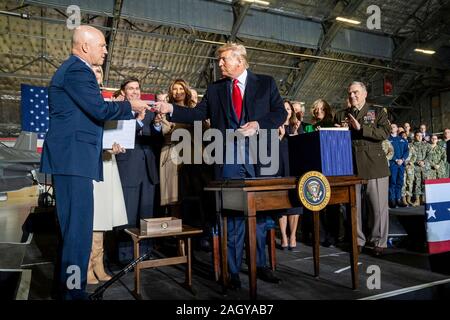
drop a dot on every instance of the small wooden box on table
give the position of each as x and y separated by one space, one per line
184 234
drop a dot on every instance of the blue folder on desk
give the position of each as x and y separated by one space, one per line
328 150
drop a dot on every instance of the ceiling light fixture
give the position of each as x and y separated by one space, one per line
424 51
351 21
261 2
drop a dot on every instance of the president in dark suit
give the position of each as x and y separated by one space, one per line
245 102
72 151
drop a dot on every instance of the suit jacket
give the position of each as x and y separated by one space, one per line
369 157
73 143
134 163
262 103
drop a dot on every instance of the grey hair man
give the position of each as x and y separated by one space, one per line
369 126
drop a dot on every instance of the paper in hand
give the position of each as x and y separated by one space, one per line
122 132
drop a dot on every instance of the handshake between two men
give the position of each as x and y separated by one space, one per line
140 106
161 107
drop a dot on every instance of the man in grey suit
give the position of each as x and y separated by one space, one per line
369 126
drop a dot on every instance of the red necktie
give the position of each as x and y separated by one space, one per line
237 99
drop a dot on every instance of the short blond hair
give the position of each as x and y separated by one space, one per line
238 51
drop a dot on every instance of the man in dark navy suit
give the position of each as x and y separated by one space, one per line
138 167
72 151
245 102
138 170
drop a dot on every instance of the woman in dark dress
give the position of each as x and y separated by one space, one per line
290 217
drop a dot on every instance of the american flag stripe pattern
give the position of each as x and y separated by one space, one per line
437 215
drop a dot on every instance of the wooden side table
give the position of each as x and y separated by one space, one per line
185 235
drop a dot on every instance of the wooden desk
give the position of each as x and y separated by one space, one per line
186 234
251 196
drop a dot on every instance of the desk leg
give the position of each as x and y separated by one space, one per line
187 244
354 248
216 256
251 240
137 271
216 238
316 245
272 249
223 255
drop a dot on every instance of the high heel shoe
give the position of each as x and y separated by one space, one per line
292 247
284 247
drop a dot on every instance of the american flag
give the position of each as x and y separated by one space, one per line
437 214
35 114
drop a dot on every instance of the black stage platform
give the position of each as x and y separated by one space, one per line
407 272
404 275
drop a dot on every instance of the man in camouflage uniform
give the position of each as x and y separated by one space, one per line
445 143
408 178
436 160
422 149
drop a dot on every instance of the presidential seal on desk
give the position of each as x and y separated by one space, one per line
314 190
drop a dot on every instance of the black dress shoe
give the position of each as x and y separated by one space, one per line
235 281
328 244
205 245
265 274
281 247
377 251
401 204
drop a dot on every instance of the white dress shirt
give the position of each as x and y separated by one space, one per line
242 82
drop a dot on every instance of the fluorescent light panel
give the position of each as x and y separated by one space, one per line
424 51
261 2
348 20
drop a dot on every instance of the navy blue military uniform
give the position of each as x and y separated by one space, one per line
401 152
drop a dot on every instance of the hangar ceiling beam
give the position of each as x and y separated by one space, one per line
434 20
239 12
113 23
326 40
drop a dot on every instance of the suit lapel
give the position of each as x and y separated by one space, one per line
225 99
251 88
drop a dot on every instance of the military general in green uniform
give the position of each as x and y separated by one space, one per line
369 126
